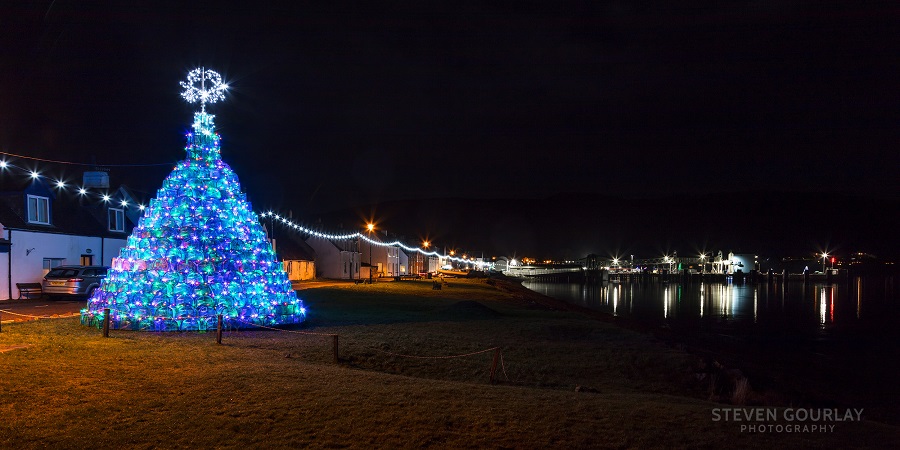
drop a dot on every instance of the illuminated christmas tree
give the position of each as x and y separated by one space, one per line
198 250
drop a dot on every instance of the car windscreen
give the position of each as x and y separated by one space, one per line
62 273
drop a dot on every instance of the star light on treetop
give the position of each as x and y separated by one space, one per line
211 89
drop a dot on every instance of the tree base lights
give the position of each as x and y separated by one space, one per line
197 252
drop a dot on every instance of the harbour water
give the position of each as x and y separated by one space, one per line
862 306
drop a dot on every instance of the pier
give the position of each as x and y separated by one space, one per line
665 270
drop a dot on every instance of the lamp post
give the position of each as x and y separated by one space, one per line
397 266
359 252
824 259
425 257
370 227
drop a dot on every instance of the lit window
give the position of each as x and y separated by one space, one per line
116 219
38 210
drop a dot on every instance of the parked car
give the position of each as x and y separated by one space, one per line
74 281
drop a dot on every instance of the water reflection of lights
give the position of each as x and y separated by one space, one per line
667 299
732 300
631 300
822 306
723 299
702 300
755 303
831 306
666 303
616 294
826 305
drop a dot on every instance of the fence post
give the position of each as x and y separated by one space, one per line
106 322
219 330
1 322
334 339
494 364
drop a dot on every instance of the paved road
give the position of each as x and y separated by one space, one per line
13 310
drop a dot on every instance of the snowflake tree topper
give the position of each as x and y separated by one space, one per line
203 85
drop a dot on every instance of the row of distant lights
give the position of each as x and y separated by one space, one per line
106 198
297 227
62 185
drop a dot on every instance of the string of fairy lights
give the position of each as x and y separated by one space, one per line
105 197
357 235
61 184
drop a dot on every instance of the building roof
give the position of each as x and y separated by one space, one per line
68 215
290 247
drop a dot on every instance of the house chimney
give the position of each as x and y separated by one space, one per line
95 179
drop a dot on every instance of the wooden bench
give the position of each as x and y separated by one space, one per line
27 289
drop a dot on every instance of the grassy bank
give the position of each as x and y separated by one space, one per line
567 381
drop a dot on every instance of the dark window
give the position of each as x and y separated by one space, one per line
116 219
38 210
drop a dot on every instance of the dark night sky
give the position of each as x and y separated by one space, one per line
340 104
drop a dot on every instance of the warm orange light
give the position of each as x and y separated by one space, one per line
426 243
370 226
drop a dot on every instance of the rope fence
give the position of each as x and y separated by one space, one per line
31 317
436 357
497 359
54 316
498 356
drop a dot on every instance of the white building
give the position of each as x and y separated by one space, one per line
297 257
385 260
41 230
335 259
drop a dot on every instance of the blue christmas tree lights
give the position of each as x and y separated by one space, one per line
198 250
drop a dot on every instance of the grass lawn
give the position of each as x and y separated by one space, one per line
567 381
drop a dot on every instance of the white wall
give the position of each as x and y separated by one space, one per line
25 262
388 257
328 257
300 270
330 260
404 262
